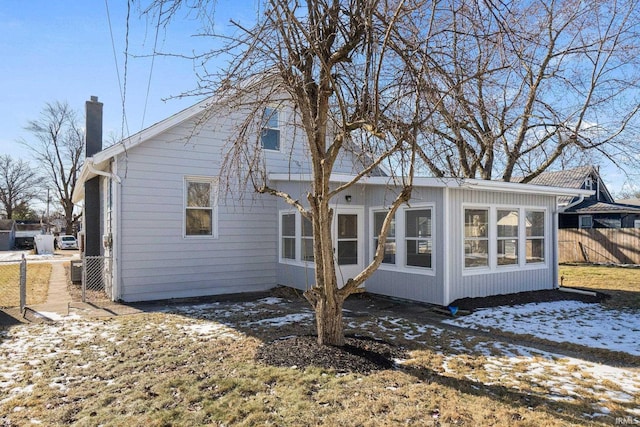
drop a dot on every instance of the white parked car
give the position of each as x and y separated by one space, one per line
66 242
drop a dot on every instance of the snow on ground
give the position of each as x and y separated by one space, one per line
574 322
531 371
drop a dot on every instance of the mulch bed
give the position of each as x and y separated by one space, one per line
358 355
365 355
551 295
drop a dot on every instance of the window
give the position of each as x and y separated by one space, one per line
476 238
535 236
585 221
200 206
390 245
418 237
288 233
508 221
307 240
270 137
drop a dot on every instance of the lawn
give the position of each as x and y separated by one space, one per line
37 283
622 284
195 365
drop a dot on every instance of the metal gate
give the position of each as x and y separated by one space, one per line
96 278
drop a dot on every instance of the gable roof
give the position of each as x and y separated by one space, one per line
596 207
571 178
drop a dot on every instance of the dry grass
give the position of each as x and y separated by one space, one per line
38 275
186 368
622 284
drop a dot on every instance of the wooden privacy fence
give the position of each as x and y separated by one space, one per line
599 245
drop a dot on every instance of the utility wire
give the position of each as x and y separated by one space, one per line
123 87
153 60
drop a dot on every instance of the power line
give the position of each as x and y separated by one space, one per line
122 86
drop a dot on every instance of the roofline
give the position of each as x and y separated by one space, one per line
153 130
461 183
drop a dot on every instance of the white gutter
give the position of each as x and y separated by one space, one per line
570 205
93 170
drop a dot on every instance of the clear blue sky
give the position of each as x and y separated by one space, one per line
61 50
53 50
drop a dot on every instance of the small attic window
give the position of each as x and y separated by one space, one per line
588 184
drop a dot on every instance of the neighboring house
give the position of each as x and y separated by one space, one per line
599 210
7 234
26 233
168 227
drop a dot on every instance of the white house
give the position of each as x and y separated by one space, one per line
169 228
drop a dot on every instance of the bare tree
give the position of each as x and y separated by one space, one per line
58 145
351 94
525 86
19 186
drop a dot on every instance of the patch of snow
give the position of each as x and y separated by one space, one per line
575 322
284 320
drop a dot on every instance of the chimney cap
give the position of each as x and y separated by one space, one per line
94 98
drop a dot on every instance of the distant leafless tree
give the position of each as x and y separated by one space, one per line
58 146
19 186
523 86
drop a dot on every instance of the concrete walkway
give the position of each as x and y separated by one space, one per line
58 298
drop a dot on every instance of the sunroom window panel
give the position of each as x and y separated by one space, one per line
507 226
418 238
307 240
535 237
476 242
390 244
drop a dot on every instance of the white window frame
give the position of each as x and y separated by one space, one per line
492 264
281 237
213 206
373 237
298 240
581 217
490 244
544 238
264 125
400 264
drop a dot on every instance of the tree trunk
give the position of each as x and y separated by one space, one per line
329 321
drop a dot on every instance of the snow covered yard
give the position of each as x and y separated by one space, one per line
574 322
193 364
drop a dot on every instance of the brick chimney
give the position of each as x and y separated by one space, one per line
93 132
93 144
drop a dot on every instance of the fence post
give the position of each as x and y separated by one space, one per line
23 283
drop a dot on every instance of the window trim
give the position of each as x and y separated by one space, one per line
213 205
298 261
400 264
373 238
492 265
281 237
264 125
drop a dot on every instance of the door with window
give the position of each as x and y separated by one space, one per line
348 230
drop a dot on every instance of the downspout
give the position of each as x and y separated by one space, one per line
555 246
572 204
446 257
